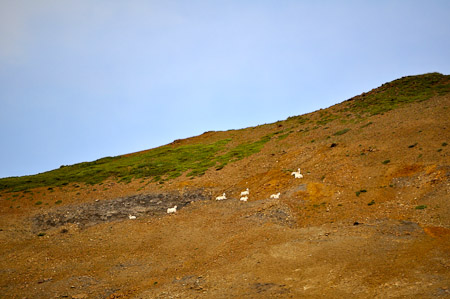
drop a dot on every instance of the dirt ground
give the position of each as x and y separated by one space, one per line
354 226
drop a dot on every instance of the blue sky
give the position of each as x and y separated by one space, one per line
83 79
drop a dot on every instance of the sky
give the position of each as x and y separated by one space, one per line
82 79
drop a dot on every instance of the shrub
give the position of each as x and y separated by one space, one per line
421 207
360 191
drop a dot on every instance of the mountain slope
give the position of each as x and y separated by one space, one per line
194 158
370 217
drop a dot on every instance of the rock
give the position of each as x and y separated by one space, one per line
44 280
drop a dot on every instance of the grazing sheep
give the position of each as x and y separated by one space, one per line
246 192
276 196
297 174
221 197
244 198
131 217
172 210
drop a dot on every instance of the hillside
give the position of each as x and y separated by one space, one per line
369 218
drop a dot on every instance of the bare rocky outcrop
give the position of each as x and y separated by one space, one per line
88 214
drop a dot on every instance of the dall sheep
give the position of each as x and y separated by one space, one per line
246 192
172 210
131 217
221 197
244 198
276 196
297 174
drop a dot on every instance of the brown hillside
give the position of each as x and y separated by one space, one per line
370 217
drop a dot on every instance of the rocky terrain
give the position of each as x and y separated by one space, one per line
369 218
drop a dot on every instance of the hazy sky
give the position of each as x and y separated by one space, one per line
83 79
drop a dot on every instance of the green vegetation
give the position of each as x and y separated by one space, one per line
281 137
371 203
366 125
241 151
360 191
161 164
170 161
398 92
386 161
341 132
322 204
300 119
421 207
326 117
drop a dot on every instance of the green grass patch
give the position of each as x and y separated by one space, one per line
160 164
386 161
281 137
341 132
402 91
300 119
421 207
326 117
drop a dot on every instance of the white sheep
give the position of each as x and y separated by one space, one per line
221 197
246 192
172 210
131 217
244 198
297 174
276 196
